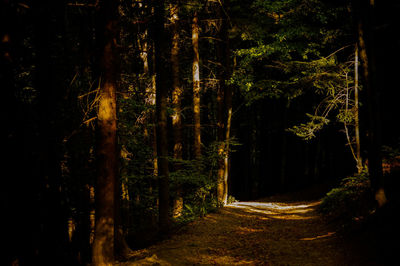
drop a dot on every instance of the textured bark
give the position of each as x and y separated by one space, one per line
356 113
224 102
228 106
146 47
220 122
196 88
176 102
161 116
104 235
364 16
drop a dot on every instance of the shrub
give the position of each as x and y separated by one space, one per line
351 200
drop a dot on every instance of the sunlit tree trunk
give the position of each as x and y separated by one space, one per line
196 88
161 116
104 236
176 102
228 106
356 113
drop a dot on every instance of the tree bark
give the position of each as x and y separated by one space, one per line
104 237
161 116
176 103
364 16
356 113
196 88
224 111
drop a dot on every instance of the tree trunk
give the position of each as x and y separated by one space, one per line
356 113
161 116
224 112
104 236
147 55
364 14
228 106
196 88
221 47
176 103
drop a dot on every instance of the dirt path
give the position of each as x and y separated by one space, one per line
254 233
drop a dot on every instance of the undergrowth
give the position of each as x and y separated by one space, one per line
351 201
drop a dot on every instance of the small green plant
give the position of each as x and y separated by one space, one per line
351 200
231 199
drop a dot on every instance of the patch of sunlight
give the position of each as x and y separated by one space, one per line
153 260
318 237
277 210
246 230
210 219
247 216
291 217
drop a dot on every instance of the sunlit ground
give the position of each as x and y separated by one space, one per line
278 210
252 233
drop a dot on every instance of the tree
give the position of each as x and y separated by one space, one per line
224 104
196 87
356 112
106 184
364 16
176 101
161 116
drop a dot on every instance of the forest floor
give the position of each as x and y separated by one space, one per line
273 231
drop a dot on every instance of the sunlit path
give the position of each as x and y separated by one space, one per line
254 233
276 209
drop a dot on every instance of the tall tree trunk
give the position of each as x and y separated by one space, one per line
145 42
221 140
196 88
364 14
356 113
221 47
161 116
104 236
176 103
228 106
146 47
224 101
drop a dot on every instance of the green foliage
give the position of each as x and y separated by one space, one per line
307 131
353 199
345 116
198 187
231 199
280 48
333 81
